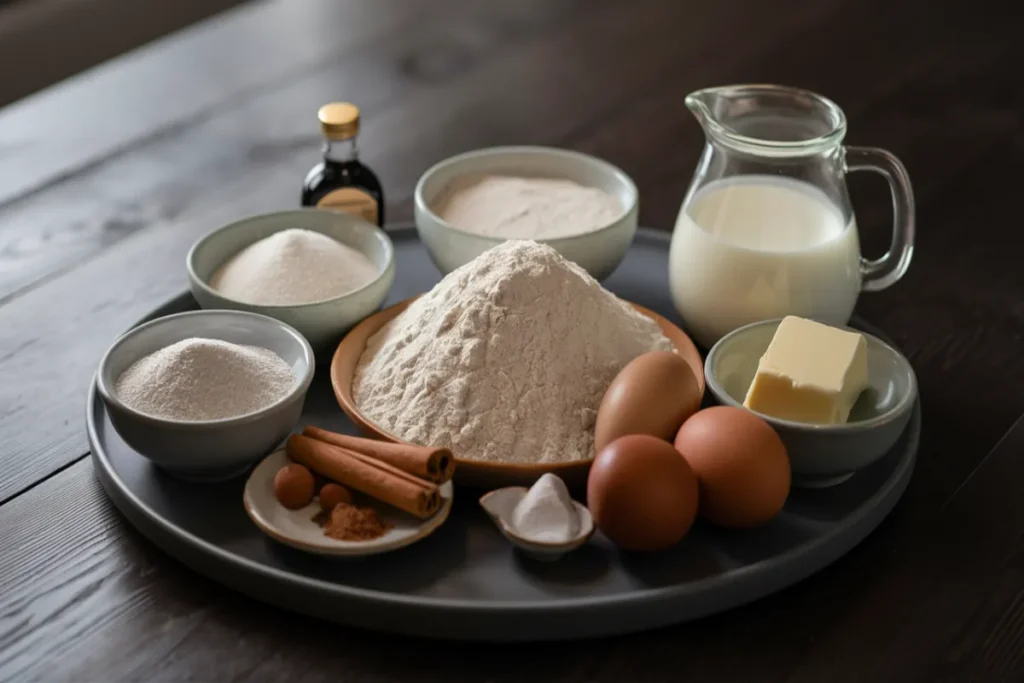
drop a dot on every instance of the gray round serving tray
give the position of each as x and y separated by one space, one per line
466 581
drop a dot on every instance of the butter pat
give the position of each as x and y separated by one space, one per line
810 373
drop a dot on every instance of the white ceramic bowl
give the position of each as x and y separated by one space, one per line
822 455
599 252
211 449
323 323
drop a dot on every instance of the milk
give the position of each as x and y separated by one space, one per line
756 247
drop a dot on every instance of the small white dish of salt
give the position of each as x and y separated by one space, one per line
542 521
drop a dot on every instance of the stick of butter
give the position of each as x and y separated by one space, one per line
810 373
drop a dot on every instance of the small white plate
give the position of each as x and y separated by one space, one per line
297 529
500 503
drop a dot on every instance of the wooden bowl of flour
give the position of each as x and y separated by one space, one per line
477 473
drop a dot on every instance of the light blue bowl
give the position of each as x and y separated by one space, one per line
821 455
323 323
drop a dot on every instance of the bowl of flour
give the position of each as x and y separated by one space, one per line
204 394
581 206
504 362
319 271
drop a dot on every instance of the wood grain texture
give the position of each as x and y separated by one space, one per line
936 594
87 31
184 186
122 166
450 75
186 183
59 131
124 611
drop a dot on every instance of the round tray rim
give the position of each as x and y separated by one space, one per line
894 484
771 575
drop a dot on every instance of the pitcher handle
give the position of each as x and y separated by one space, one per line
882 272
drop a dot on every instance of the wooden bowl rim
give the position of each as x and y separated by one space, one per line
353 345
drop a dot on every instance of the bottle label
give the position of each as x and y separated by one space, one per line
351 200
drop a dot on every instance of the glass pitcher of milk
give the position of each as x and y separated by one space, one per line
766 229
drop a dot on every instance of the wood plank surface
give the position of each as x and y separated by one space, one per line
224 127
52 135
192 192
87 33
122 610
447 74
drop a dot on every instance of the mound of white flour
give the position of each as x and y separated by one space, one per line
506 359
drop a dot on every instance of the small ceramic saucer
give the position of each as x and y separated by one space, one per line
499 505
297 529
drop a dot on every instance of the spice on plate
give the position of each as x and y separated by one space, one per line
293 267
293 486
525 208
546 513
200 379
332 494
505 360
351 523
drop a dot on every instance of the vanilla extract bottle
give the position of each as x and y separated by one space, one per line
341 181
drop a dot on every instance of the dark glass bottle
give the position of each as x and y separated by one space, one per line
341 181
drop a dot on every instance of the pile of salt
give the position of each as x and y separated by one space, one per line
546 513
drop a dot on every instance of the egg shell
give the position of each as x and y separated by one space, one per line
741 466
653 395
641 493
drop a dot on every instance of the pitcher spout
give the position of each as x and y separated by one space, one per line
759 117
702 104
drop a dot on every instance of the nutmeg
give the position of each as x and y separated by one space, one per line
331 494
293 486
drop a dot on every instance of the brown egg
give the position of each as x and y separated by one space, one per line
641 494
293 486
331 494
741 464
653 394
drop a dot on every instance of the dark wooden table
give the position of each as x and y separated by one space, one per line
105 181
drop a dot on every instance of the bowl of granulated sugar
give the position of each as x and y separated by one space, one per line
205 394
318 270
581 206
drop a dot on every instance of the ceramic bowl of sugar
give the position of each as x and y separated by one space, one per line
318 270
583 207
206 394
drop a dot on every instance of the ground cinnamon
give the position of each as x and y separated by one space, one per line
351 523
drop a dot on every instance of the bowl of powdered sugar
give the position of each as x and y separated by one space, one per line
582 207
204 394
318 270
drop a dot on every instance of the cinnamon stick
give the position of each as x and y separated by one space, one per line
434 464
362 473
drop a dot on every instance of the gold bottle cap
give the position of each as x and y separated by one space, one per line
339 120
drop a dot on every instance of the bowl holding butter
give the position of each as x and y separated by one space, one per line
838 397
